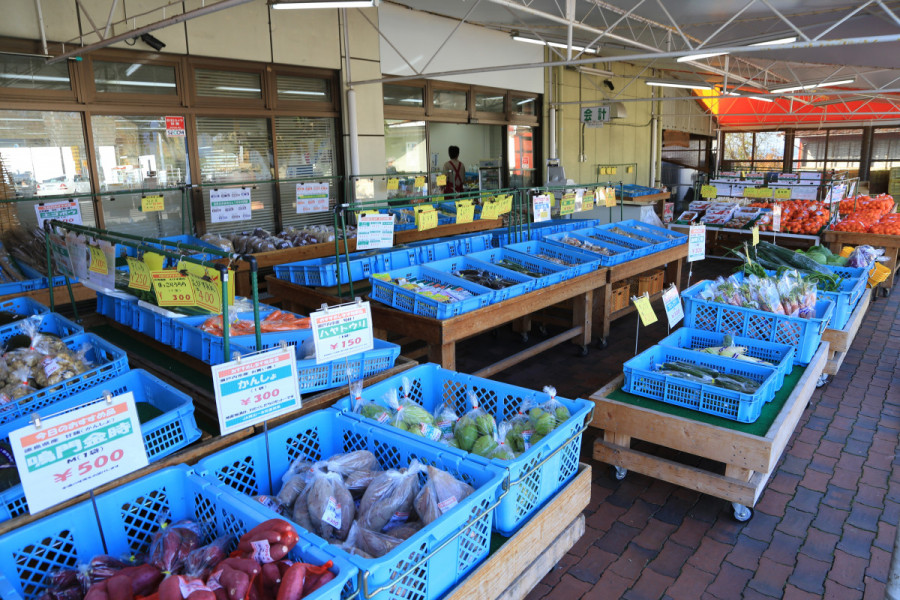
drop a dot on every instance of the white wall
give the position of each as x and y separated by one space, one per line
476 142
685 115
418 35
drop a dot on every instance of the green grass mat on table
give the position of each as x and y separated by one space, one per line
757 428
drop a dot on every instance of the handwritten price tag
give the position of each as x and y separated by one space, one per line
138 274
342 331
709 191
440 180
645 310
153 204
755 232
207 295
393 184
505 202
465 212
426 219
567 204
98 261
420 181
490 210
783 194
172 289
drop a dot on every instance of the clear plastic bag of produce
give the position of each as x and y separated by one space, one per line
445 419
441 492
518 436
201 561
331 507
388 501
17 386
412 417
349 462
171 545
476 429
374 543
864 256
548 416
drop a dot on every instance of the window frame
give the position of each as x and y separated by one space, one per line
414 113
213 64
490 118
448 115
310 108
91 95
27 47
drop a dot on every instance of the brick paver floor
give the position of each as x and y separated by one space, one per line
823 528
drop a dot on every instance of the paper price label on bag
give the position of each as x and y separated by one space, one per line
696 243
230 205
172 289
67 211
98 261
138 274
465 212
672 303
153 204
541 208
642 304
776 217
342 331
255 388
709 191
567 204
375 231
754 231
69 454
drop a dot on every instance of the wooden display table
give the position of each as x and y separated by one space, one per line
840 339
523 560
673 259
891 244
749 459
60 295
441 335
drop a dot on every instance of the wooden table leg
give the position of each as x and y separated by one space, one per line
673 272
443 354
891 254
522 324
602 312
582 313
619 439
739 473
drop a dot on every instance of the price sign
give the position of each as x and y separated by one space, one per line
610 198
207 274
642 304
587 201
672 303
342 331
98 261
72 453
696 243
465 212
668 212
776 217
757 192
490 210
441 180
783 194
420 181
552 197
138 274
393 184
375 231
505 203
709 191
541 208
67 211
567 204
153 204
754 231
229 205
313 197
207 294
172 289
154 261
256 388
426 218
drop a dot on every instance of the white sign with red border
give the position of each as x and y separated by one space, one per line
67 211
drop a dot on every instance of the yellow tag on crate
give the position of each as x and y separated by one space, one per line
465 212
645 310
426 219
755 231
153 204
172 289
98 261
138 274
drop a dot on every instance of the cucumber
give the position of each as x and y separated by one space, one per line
690 368
794 259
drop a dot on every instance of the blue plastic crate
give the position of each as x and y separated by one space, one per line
327 271
642 379
143 320
448 548
32 273
536 475
163 435
853 282
183 239
20 287
620 255
780 355
579 261
523 285
129 516
393 295
23 307
635 247
803 335
657 242
109 360
119 308
51 323
675 238
551 273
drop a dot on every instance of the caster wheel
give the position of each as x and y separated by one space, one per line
742 513
584 351
619 473
524 337
602 343
823 381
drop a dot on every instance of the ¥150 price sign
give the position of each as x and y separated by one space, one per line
75 452
342 331
256 388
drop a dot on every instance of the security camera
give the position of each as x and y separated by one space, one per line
153 42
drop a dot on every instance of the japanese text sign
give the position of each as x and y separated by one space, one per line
672 303
67 211
312 197
541 208
374 231
232 204
342 331
696 243
645 310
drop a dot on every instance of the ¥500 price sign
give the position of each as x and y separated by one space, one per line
342 331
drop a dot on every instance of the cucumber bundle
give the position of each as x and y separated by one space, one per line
705 375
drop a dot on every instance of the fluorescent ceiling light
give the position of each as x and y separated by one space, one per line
227 88
553 44
809 86
297 92
784 40
326 4
691 57
761 98
34 77
130 70
526 101
137 83
411 100
593 71
686 85
407 124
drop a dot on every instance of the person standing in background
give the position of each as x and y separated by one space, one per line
455 172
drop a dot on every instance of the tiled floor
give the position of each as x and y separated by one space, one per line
824 526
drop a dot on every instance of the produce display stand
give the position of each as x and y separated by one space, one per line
840 340
512 571
80 293
749 458
891 244
648 199
441 335
735 237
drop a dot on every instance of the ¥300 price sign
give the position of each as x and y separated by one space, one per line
342 331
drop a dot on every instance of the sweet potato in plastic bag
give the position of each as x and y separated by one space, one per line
376 544
407 530
440 493
390 498
172 544
331 507
359 460
300 512
201 561
358 481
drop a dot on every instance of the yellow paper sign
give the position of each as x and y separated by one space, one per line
755 231
609 199
172 289
138 274
98 261
490 210
441 180
758 192
648 317
152 204
783 194
612 170
154 261
603 171
587 201
420 181
567 204
209 274
393 184
426 219
709 191
207 294
465 212
552 199
505 203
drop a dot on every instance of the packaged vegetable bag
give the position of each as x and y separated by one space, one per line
331 507
441 492
388 500
475 426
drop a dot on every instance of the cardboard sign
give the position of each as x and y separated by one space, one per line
138 274
75 452
175 127
256 388
709 191
153 203
672 303
375 231
754 231
567 204
465 212
783 194
540 206
67 211
342 331
313 197
645 310
696 243
228 205
172 289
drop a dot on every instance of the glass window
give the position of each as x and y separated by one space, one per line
303 88
523 105
404 146
769 146
134 78
809 149
227 84
43 154
490 103
449 99
522 169
885 148
306 154
237 151
844 149
33 73
738 146
403 95
135 152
